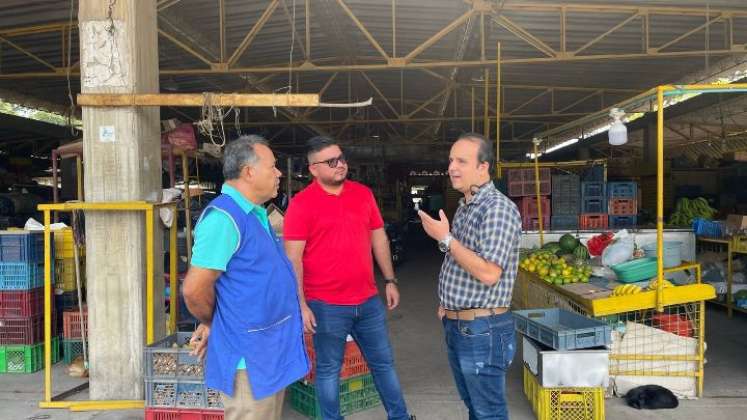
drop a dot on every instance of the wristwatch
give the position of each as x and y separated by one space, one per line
445 243
392 280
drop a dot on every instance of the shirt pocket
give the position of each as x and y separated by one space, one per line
271 346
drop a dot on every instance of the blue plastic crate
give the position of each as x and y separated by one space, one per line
622 189
621 222
593 174
564 222
593 190
21 246
22 276
708 228
561 329
593 205
566 195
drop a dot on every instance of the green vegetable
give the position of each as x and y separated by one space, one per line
568 242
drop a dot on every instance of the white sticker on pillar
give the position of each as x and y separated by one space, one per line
103 54
106 134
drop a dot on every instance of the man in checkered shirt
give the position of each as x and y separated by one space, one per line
477 279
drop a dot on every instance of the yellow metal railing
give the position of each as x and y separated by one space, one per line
139 206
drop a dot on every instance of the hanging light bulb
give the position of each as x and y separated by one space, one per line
618 133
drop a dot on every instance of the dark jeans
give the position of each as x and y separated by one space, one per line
367 324
480 353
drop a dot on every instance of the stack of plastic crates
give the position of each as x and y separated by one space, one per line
566 363
357 389
65 283
522 182
22 303
593 205
530 213
175 385
566 201
72 337
623 204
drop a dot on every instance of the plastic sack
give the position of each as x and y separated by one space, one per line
620 250
596 244
183 137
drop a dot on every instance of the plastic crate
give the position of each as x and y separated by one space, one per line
566 192
568 184
353 363
356 394
708 228
564 222
26 358
739 243
71 323
28 330
563 403
164 361
528 206
622 222
593 205
635 270
63 244
71 349
67 300
566 205
593 221
561 329
622 207
622 190
65 274
175 393
21 303
532 223
21 276
521 182
21 246
181 414
593 190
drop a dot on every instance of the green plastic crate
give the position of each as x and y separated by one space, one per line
26 358
70 350
635 270
356 394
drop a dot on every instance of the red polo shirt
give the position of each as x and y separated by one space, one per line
337 258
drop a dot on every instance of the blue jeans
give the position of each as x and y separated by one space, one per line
367 324
480 353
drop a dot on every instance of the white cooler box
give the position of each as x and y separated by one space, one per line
572 368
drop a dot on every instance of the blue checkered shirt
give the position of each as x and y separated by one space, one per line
489 225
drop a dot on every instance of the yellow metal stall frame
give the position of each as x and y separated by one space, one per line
139 206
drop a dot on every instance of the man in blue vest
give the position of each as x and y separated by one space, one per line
243 290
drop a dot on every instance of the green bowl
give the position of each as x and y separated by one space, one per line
635 270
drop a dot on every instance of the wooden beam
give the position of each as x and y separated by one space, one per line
525 35
363 29
247 41
437 37
197 99
602 36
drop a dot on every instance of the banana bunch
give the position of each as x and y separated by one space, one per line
653 283
686 210
626 289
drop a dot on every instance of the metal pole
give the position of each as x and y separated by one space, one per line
486 117
187 206
498 110
173 274
537 191
473 110
660 198
149 293
288 175
47 308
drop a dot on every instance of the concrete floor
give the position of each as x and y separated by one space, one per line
426 379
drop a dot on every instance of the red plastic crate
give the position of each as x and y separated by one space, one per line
181 414
521 182
528 206
28 330
353 363
593 221
623 207
71 323
532 222
21 303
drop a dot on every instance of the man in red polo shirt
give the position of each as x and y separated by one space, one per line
330 229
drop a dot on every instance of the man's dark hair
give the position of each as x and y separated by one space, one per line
240 153
318 143
485 152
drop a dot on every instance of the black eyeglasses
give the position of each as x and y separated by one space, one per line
332 163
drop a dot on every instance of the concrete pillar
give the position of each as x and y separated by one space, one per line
119 54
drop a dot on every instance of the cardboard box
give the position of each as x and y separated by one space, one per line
736 222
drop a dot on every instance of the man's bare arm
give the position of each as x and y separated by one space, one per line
199 293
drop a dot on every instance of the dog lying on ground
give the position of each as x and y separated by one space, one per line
651 397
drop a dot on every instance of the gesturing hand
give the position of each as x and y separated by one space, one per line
436 229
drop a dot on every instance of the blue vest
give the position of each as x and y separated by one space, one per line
257 314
